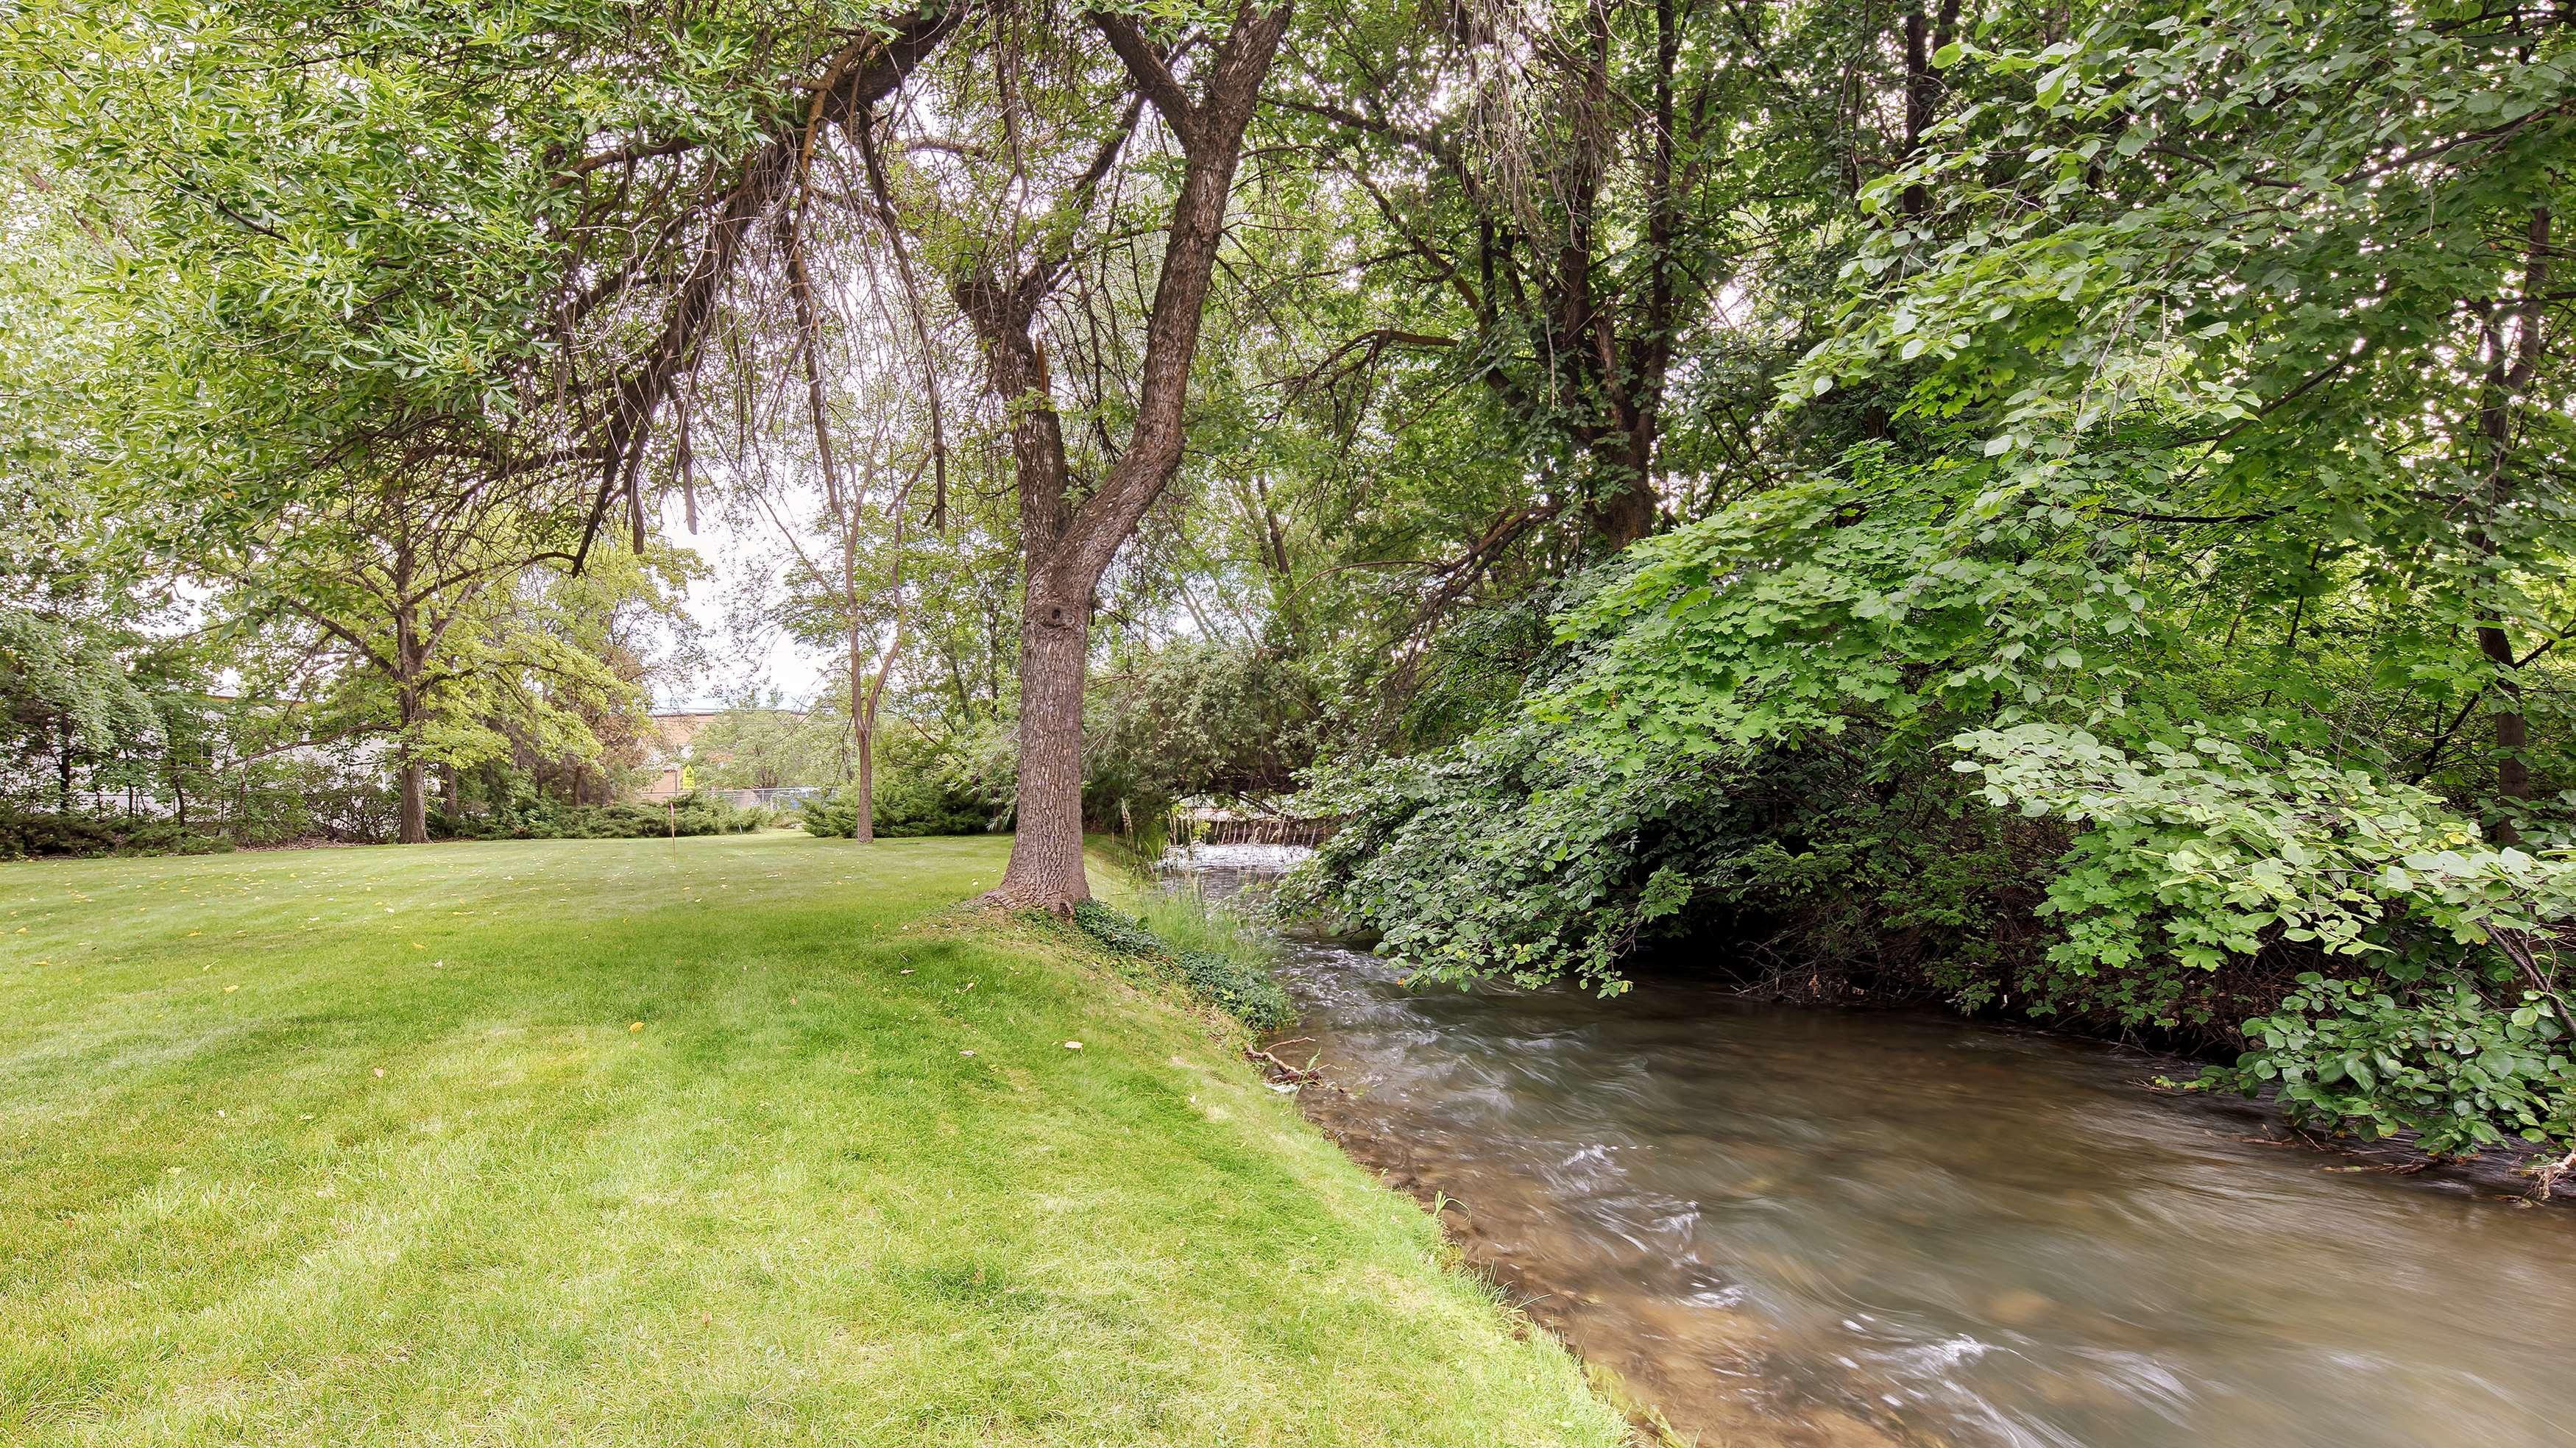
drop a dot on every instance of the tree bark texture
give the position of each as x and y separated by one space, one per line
1066 545
2509 370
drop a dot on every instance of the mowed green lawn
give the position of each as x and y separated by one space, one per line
364 1147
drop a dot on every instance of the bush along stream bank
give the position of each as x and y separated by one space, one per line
2356 951
1228 969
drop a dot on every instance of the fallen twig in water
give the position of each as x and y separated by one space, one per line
1282 1068
2545 1178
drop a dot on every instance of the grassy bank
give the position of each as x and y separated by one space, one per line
715 1141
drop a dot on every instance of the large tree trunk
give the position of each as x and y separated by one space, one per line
1065 546
414 828
2507 374
1055 649
1616 383
412 777
1045 869
410 661
863 744
1627 464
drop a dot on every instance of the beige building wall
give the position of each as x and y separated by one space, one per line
673 735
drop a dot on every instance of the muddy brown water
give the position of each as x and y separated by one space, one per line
1813 1227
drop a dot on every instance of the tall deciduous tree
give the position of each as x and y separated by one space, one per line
418 588
1003 273
1067 543
847 553
1564 191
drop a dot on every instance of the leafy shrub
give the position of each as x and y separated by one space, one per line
1507 856
690 814
2205 848
1245 992
1113 932
829 818
907 806
2440 1060
1236 981
1195 717
36 835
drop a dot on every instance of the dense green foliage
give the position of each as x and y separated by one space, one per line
2214 525
35 835
1196 719
915 806
924 784
688 815
2445 1061
1223 972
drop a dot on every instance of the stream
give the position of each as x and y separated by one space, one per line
1809 1226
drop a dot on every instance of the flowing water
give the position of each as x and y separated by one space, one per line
1804 1226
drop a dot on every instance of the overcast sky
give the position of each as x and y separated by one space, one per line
732 549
